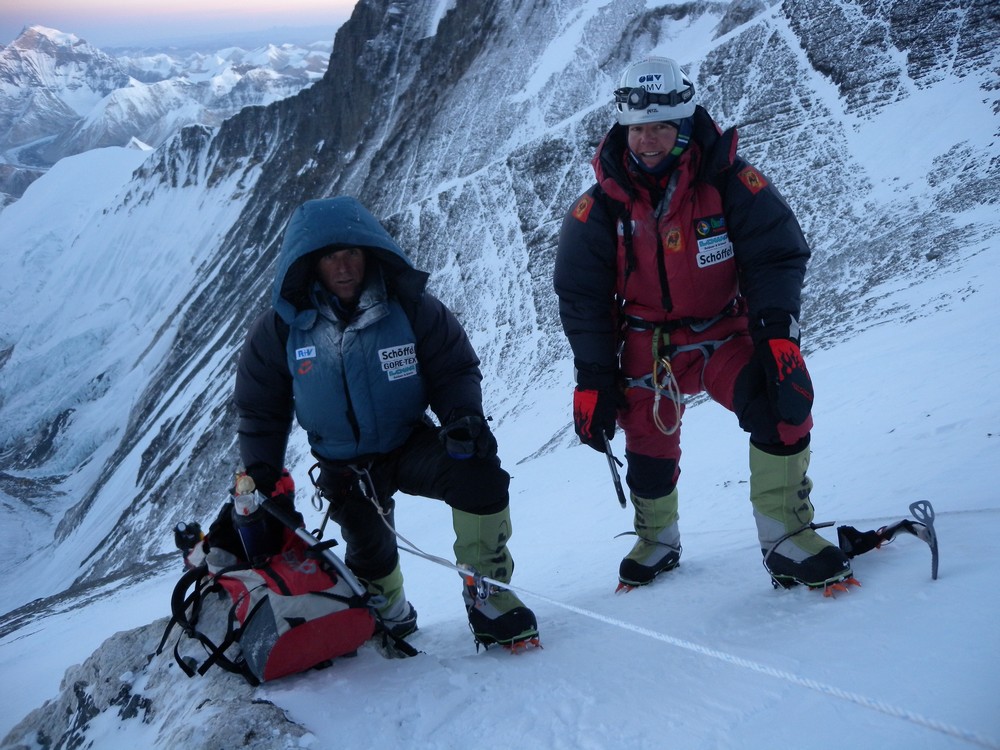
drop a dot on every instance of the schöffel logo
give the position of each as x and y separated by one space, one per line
714 250
399 361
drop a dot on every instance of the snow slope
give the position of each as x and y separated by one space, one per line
709 655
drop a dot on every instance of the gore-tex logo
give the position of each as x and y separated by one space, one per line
399 361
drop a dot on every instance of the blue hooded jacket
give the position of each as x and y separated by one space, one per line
358 386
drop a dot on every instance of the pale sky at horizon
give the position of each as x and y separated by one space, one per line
117 23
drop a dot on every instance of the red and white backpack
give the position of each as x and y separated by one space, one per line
290 614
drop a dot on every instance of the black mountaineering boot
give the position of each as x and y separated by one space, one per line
793 551
658 548
501 617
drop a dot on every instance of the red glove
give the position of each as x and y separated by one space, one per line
788 383
284 486
269 482
594 415
789 387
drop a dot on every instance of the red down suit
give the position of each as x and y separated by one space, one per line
663 278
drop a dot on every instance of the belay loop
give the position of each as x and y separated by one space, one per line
368 488
662 380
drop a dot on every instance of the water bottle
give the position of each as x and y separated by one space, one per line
250 521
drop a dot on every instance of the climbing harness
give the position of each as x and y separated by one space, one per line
662 381
478 585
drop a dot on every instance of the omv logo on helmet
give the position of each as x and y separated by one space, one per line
654 90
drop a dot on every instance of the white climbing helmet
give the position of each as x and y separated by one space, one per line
654 90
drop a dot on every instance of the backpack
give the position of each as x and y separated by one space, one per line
290 614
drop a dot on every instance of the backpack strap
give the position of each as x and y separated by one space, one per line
181 600
620 211
217 653
624 217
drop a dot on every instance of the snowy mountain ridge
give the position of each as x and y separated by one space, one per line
60 95
115 397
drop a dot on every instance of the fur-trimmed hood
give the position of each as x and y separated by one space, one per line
319 225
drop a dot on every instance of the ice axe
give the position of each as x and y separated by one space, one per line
854 542
613 464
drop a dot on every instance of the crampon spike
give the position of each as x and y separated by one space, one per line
519 647
624 588
831 589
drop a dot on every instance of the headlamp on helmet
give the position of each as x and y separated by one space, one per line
654 90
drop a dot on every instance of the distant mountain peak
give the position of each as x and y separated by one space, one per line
40 37
135 143
61 96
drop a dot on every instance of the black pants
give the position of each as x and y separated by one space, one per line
421 466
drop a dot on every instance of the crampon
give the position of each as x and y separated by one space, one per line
625 586
834 587
829 588
519 647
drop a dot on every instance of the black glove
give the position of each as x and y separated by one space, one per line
265 477
468 436
776 349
